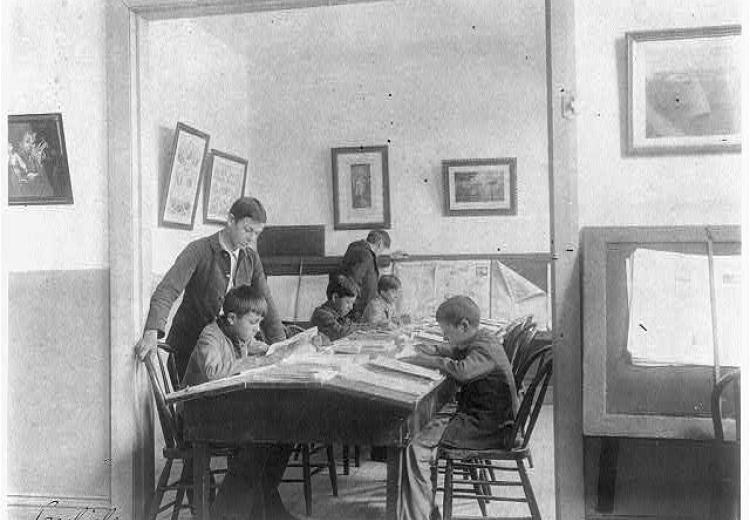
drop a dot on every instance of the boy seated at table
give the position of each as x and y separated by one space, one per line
331 317
381 310
487 403
225 347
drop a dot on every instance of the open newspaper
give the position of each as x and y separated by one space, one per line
670 310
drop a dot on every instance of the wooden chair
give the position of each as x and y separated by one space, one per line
472 464
725 496
309 466
162 372
512 333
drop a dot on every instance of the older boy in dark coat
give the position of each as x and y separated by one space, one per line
361 265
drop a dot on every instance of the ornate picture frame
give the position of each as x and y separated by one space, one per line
226 177
180 194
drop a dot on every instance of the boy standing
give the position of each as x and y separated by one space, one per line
205 271
225 347
360 263
487 403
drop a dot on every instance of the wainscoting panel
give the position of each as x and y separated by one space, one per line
58 389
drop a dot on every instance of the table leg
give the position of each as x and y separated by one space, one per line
201 481
395 455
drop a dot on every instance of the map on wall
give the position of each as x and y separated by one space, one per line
500 292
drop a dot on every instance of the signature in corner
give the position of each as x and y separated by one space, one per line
52 511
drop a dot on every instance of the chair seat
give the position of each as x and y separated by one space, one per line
459 454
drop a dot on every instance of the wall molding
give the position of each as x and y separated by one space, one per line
40 500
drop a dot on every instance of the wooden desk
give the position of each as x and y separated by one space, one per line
242 412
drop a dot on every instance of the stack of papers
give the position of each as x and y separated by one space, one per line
402 367
353 345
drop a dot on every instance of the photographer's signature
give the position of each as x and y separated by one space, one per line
51 511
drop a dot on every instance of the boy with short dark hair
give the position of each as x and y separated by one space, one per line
203 273
381 311
225 347
487 404
331 317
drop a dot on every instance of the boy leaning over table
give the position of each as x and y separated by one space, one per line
487 403
225 347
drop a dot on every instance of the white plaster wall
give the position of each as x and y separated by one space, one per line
189 75
54 62
616 189
445 80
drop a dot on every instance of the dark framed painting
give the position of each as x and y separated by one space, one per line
37 160
360 188
685 90
180 195
480 186
225 182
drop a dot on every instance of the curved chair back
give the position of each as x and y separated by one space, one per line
513 334
731 379
523 348
162 371
533 397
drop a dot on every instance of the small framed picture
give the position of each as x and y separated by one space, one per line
37 160
360 188
480 186
685 90
180 197
225 182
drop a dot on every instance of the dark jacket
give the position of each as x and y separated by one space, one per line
488 400
360 263
202 270
330 322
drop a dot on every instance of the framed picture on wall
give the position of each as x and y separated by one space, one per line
360 188
225 182
180 196
37 160
684 90
480 186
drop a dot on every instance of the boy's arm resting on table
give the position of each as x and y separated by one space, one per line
329 325
251 362
477 363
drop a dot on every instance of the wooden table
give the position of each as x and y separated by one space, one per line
239 412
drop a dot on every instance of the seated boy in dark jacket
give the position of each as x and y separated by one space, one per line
225 347
487 403
331 317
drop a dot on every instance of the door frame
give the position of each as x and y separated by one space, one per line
132 474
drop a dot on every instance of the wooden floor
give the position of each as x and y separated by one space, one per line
362 492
